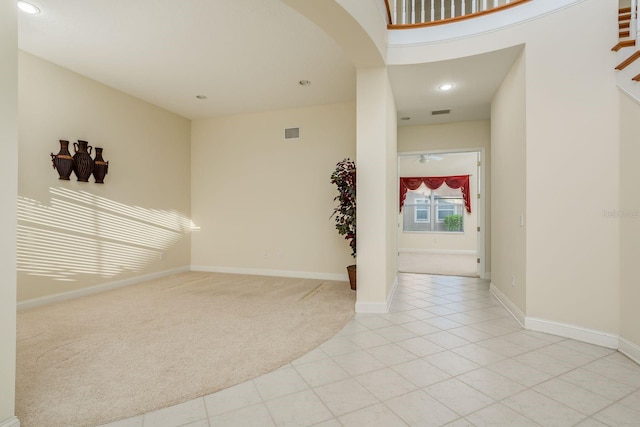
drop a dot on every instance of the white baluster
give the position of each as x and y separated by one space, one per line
495 3
474 6
404 11
413 11
395 12
634 28
433 11
453 8
484 4
463 8
442 9
422 12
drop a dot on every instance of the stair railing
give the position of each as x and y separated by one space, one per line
421 13
634 31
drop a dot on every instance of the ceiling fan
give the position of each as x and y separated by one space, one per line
424 158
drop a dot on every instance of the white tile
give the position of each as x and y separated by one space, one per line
385 383
451 363
582 347
543 410
573 396
201 423
352 328
279 383
368 339
460 422
420 327
525 340
626 375
358 363
373 416
446 340
590 422
499 415
494 385
459 396
312 356
619 415
398 318
300 409
503 347
391 354
251 416
345 396
184 413
442 323
419 409
420 314
421 373
339 345
478 354
420 346
598 384
129 422
567 355
632 401
470 334
519 372
321 372
395 333
329 423
543 363
372 322
232 398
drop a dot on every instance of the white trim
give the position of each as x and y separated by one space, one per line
63 296
513 309
486 276
439 251
378 307
575 332
268 272
11 422
629 349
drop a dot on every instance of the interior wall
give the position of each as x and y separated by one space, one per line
391 169
8 195
450 164
628 220
508 176
473 135
263 203
134 224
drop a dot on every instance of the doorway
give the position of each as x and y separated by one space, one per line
437 232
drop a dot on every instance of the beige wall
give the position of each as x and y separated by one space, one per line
75 235
628 219
450 164
450 137
8 194
508 177
391 169
263 202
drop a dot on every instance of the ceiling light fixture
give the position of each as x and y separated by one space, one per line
445 86
304 82
201 96
405 118
28 8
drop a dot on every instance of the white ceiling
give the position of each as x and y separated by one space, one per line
245 56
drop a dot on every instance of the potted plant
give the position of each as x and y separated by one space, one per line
344 177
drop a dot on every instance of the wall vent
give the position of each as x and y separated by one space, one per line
439 112
292 133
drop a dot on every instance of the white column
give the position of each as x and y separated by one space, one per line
8 213
377 191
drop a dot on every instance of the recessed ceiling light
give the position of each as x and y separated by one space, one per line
445 86
405 118
304 82
201 96
28 7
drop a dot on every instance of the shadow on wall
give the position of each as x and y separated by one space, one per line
81 233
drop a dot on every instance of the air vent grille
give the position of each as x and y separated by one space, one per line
292 133
439 112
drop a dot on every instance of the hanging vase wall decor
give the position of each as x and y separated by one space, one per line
63 162
83 166
100 167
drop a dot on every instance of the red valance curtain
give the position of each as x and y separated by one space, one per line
435 182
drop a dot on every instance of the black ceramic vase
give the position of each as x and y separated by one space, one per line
63 162
100 167
83 166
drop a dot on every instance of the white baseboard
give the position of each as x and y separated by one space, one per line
63 296
508 304
378 307
575 332
11 422
267 272
486 276
629 349
438 251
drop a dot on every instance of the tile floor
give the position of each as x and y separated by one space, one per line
448 354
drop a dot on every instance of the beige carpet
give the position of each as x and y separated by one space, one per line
117 354
441 264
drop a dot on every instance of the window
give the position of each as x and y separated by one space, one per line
440 210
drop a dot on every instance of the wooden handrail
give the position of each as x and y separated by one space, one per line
500 8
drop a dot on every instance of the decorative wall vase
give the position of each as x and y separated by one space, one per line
100 167
63 162
83 166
